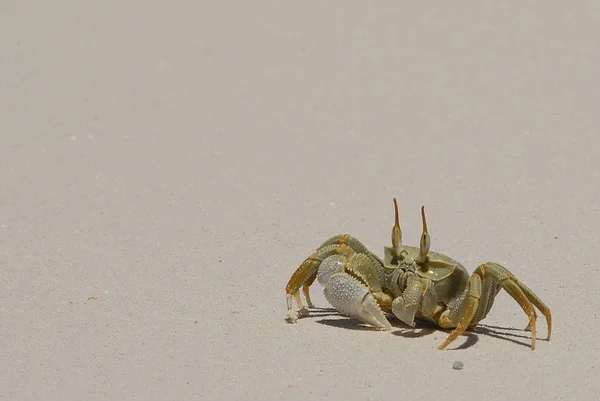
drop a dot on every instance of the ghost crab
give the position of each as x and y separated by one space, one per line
411 283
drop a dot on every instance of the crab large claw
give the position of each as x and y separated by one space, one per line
351 297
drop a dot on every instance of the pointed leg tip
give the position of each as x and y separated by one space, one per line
443 345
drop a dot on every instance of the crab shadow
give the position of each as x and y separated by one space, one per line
331 317
507 334
423 329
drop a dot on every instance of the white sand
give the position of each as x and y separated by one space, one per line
165 168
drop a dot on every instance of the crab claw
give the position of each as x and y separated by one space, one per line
351 297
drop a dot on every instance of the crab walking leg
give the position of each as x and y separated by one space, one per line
305 290
306 273
346 239
502 277
528 327
351 297
534 299
462 313
358 247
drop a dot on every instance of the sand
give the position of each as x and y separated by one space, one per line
166 167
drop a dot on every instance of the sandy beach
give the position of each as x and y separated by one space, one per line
165 167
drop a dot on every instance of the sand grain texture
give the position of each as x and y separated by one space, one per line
164 168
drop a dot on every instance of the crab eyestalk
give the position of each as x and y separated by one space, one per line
396 231
425 240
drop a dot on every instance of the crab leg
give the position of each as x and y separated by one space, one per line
477 301
306 273
462 313
534 299
502 277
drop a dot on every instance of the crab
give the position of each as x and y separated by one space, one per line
411 283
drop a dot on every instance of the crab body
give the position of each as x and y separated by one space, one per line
411 283
443 280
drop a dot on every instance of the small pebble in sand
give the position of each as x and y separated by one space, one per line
458 365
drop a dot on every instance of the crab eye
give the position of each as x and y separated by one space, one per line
425 240
396 231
